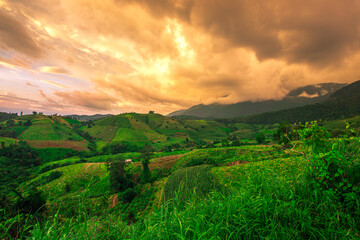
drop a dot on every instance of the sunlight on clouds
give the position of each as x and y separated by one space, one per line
174 28
54 84
136 55
8 65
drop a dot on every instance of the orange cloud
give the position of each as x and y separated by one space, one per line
137 55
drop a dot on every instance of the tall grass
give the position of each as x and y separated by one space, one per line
268 200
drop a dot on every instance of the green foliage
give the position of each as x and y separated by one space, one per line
260 138
185 182
145 156
7 116
33 203
120 180
120 147
128 195
314 136
53 154
50 131
334 165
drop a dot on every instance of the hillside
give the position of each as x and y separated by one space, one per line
41 131
88 117
306 95
341 104
153 128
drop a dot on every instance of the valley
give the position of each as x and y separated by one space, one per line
210 166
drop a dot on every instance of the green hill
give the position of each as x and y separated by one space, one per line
154 128
43 131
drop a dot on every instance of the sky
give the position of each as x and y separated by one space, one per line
115 56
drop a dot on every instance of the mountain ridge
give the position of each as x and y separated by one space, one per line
298 97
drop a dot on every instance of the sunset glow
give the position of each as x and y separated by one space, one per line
114 56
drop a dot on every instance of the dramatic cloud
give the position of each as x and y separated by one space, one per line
96 101
14 35
56 70
136 55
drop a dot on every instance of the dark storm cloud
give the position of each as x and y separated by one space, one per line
314 32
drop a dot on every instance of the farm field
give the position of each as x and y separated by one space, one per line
7 141
197 178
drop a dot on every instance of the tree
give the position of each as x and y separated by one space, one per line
27 123
32 203
260 137
283 134
225 143
10 123
120 180
34 112
145 156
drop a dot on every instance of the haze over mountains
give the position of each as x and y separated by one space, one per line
341 104
298 97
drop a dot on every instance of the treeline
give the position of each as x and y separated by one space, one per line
7 116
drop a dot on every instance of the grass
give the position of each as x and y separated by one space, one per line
18 130
221 156
118 120
105 133
77 175
51 154
128 134
7 141
268 200
55 131
187 181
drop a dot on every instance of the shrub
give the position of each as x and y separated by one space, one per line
260 138
128 195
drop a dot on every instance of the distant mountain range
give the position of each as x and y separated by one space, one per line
298 97
343 103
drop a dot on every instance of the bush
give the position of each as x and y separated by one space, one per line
67 188
128 195
260 138
120 179
33 203
334 169
53 176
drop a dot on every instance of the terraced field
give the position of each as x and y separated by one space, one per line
47 131
79 176
185 182
76 145
7 141
224 156
102 132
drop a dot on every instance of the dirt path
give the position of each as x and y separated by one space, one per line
236 163
114 200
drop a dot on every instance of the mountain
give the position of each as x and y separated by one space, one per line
345 102
302 96
88 117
